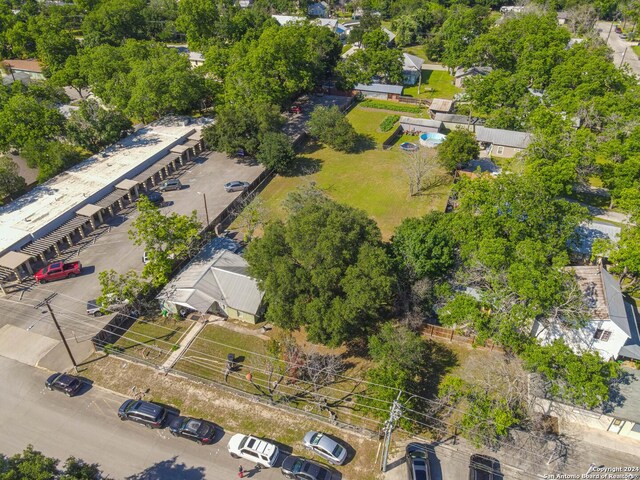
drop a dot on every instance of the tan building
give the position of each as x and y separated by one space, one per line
502 143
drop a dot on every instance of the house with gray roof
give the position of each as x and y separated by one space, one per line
461 74
611 328
502 143
452 121
420 125
381 91
216 281
411 68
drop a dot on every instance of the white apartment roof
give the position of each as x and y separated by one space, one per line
65 193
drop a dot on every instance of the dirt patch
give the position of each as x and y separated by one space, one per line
233 412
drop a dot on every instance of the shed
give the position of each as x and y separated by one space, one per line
379 90
215 281
441 105
420 125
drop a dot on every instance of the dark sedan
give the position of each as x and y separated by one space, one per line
154 197
194 429
417 460
65 383
300 468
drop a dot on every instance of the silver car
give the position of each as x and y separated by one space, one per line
325 447
236 186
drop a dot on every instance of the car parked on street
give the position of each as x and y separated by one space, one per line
295 109
170 184
483 467
253 449
194 429
326 447
417 460
146 413
300 468
70 385
154 197
236 186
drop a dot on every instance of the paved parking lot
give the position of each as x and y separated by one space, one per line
110 248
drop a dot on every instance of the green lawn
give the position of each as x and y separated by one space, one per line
153 341
367 121
435 84
417 50
636 49
346 47
373 180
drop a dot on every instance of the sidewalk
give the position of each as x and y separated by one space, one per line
185 343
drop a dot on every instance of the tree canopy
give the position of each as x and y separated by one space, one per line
323 269
458 149
330 126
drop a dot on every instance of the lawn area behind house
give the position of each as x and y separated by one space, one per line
416 50
636 49
435 84
153 341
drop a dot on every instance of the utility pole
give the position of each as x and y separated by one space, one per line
64 340
609 34
623 55
394 416
206 210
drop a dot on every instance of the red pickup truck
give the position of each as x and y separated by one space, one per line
58 270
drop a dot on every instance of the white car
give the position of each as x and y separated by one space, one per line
253 449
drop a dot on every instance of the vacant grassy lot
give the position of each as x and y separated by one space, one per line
153 341
435 84
373 180
636 49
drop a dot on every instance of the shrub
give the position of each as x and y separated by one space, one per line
396 107
388 122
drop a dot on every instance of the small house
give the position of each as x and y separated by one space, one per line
420 125
611 329
318 9
216 281
411 68
451 121
379 90
463 73
502 143
24 71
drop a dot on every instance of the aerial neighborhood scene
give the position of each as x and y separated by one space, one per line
347 239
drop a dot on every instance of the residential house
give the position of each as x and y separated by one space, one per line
245 3
390 34
440 105
196 58
318 9
24 71
420 125
502 143
411 69
451 121
461 74
507 10
611 329
618 419
216 281
379 90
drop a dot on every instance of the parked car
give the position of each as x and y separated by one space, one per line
253 449
326 447
154 197
483 467
417 460
148 414
170 184
617 29
236 186
300 468
194 429
65 383
295 109
57 271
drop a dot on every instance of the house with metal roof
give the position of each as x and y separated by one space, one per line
461 74
452 121
420 125
216 281
379 90
24 71
611 329
411 68
502 143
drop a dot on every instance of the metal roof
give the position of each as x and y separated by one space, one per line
380 88
507 138
455 118
441 105
412 62
422 122
615 302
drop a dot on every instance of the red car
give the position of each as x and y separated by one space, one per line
57 271
296 109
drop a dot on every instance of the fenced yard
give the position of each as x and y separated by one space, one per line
435 84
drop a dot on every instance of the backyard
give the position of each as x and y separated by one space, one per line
435 84
372 180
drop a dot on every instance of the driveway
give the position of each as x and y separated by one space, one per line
620 47
87 427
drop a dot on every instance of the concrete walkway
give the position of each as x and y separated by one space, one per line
221 322
185 343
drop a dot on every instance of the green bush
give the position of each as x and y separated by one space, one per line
397 107
388 122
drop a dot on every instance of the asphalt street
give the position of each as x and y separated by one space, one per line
87 427
620 47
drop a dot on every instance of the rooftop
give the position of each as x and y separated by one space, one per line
24 65
508 138
31 214
411 62
441 105
423 122
380 88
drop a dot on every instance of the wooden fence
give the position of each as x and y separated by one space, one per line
451 335
414 101
388 143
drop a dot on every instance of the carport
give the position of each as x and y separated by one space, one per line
40 247
11 264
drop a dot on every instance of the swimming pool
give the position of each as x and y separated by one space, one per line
431 139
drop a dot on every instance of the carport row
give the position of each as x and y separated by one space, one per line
20 264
